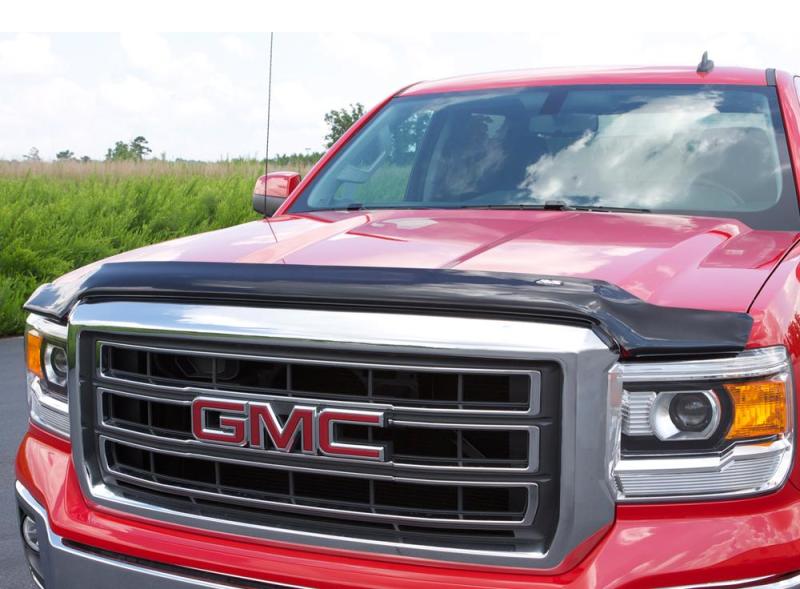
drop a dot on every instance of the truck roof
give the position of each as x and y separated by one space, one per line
603 75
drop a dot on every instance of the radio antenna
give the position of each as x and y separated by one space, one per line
269 103
269 116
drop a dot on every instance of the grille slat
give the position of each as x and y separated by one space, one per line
462 390
425 502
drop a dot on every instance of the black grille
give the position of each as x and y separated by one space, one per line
412 388
472 447
263 485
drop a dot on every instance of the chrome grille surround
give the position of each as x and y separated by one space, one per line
584 504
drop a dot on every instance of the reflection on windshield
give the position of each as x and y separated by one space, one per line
667 153
696 149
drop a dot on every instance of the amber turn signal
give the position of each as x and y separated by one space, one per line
759 409
33 352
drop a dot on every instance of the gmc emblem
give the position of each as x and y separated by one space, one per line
256 425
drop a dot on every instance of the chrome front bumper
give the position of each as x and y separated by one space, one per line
65 567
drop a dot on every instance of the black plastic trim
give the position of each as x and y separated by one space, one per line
772 79
266 205
638 328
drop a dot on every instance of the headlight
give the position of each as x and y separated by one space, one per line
705 428
46 361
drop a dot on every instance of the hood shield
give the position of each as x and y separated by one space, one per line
627 323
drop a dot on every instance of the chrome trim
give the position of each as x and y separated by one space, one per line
671 475
534 403
764 582
533 433
770 362
636 407
49 370
527 519
380 417
48 328
664 428
748 364
66 567
47 408
586 502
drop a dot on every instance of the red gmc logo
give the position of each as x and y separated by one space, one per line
256 424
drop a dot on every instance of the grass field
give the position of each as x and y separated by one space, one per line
55 217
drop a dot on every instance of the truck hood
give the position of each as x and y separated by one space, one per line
679 261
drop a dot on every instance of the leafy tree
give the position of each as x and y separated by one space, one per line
65 155
33 155
341 120
136 150
120 152
139 148
85 159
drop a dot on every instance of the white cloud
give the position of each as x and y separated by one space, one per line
27 54
131 94
195 107
149 52
236 46
203 95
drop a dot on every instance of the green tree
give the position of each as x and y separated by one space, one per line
85 159
136 150
139 148
65 155
120 152
341 120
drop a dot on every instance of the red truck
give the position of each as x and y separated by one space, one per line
534 329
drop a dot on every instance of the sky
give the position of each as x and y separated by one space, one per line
203 95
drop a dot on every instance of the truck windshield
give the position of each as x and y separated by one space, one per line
700 149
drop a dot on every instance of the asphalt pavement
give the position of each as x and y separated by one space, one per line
13 421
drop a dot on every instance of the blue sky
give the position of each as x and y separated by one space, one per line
203 95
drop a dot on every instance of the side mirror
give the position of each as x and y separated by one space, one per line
271 190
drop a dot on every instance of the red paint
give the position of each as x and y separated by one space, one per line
232 429
699 262
244 424
623 75
328 446
668 260
300 420
279 184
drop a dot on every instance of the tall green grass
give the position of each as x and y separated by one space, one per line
57 217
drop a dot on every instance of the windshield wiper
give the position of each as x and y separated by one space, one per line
605 209
360 206
547 206
558 206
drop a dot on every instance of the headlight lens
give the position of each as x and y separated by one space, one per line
46 361
55 365
692 412
706 428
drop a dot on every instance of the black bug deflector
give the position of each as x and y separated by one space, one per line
636 327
